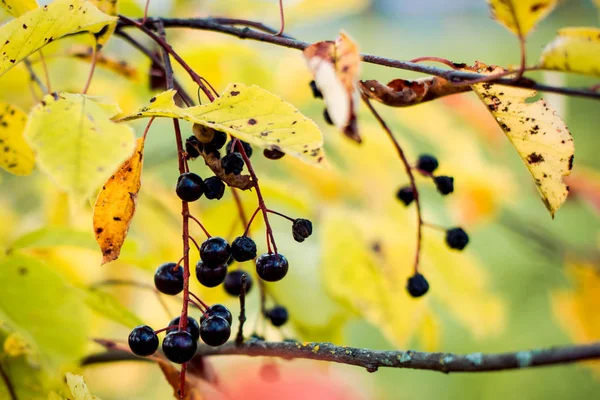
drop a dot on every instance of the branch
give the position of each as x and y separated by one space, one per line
441 362
210 24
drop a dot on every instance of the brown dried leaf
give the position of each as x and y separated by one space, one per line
116 203
403 93
335 67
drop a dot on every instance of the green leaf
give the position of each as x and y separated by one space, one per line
251 114
520 16
76 143
18 7
574 50
30 32
109 307
55 236
15 154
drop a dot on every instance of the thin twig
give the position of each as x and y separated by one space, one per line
34 76
94 61
46 71
281 19
441 362
239 339
209 24
9 386
411 177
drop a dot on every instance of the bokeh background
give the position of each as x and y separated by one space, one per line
524 281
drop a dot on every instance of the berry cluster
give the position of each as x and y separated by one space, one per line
456 238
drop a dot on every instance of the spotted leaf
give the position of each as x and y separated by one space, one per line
520 16
574 50
15 154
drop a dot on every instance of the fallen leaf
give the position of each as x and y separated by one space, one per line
15 154
520 16
335 67
30 32
251 114
116 203
403 93
76 143
539 135
18 7
574 50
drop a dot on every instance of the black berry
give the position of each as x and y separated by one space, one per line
405 195
278 315
168 278
247 148
210 276
189 186
143 341
192 327
427 163
220 310
327 117
214 188
271 267
215 251
192 147
179 347
273 154
232 163
243 249
315 90
233 282
417 285
444 184
215 330
301 229
457 238
219 139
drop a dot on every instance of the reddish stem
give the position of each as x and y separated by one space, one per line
435 59
282 20
167 328
199 300
190 216
281 215
92 68
194 241
250 222
46 71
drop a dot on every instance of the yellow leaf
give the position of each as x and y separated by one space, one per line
109 7
115 205
30 32
76 142
539 135
520 16
251 114
15 155
574 50
18 7
79 388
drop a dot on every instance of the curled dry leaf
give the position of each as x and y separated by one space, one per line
574 50
242 182
15 154
117 66
539 135
520 16
335 67
402 93
115 205
33 30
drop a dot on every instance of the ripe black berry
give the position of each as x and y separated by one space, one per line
168 278
273 154
301 229
143 341
215 251
405 195
192 147
192 327
457 238
218 140
315 90
215 330
214 188
247 148
327 117
233 282
210 276
232 163
189 186
271 267
427 163
220 310
278 315
179 347
417 285
444 184
243 249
